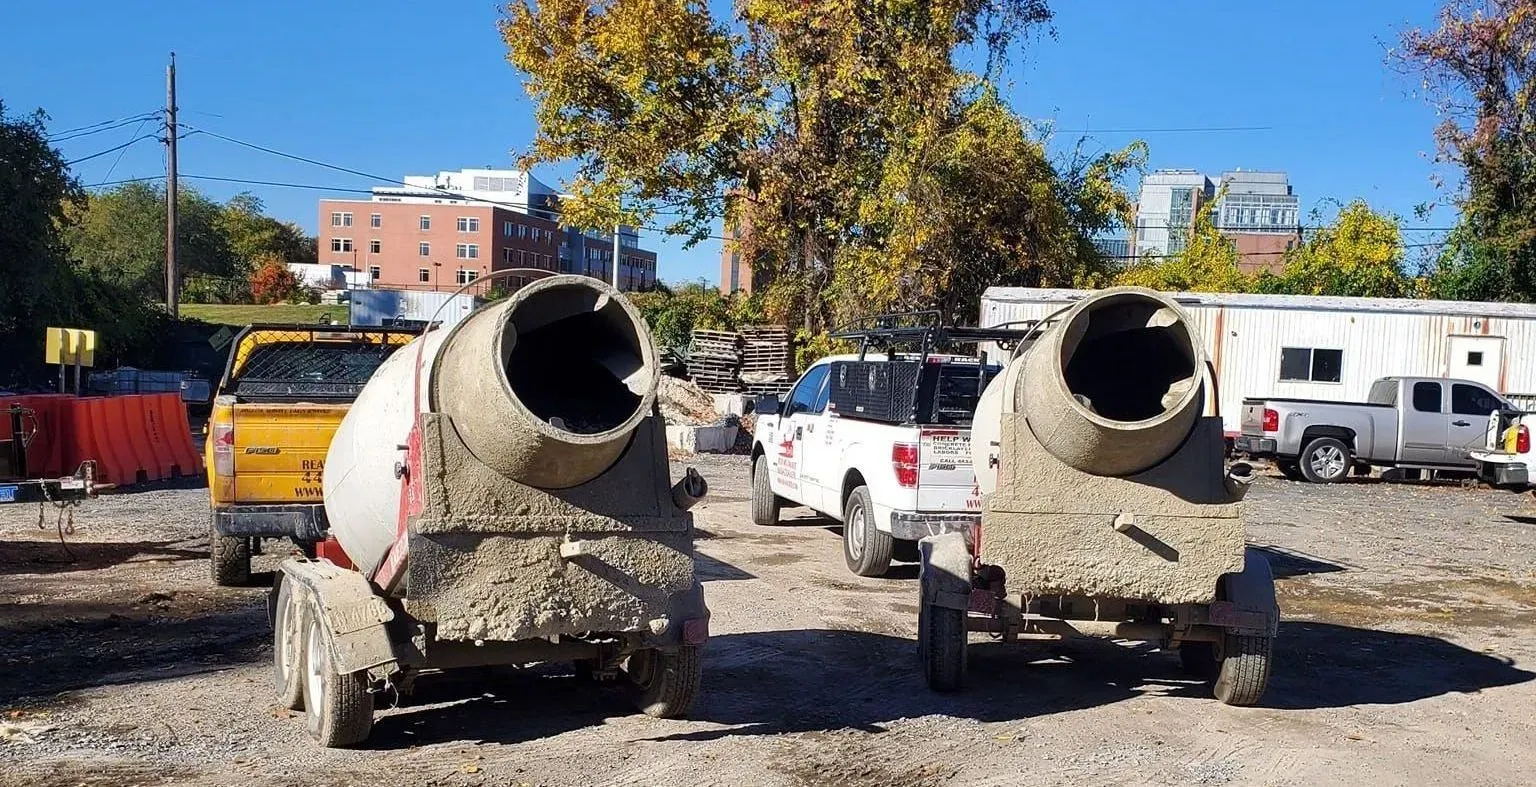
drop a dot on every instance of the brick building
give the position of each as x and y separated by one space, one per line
441 232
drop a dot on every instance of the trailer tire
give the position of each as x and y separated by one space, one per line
338 708
866 550
288 644
1326 460
229 558
664 683
941 630
765 504
1244 672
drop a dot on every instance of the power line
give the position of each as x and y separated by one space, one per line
1246 254
109 150
97 128
278 184
124 151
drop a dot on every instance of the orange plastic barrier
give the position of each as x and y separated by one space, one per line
132 438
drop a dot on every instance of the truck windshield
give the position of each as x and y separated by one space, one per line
959 388
309 369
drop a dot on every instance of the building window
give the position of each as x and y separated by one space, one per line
1308 365
467 251
426 223
506 228
466 276
424 249
469 224
341 244
373 272
1474 359
341 219
374 246
375 220
423 275
335 219
522 230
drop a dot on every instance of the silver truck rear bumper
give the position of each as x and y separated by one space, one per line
1255 446
913 525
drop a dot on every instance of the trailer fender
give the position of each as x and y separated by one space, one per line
350 611
1253 590
945 571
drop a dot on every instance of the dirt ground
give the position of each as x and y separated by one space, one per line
1405 657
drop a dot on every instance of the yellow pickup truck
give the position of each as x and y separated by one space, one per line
284 391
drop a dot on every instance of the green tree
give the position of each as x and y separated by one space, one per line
120 235
1477 68
252 235
1207 264
1360 254
873 172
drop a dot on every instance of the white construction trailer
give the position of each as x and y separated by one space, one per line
1314 347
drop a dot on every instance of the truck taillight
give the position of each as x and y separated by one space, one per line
904 460
1523 440
224 449
1271 420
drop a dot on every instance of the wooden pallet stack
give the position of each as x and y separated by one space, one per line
714 361
765 359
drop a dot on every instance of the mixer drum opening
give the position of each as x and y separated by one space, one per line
574 359
1129 359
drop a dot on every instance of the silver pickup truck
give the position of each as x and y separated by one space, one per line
1409 422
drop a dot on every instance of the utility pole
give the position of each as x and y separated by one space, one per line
171 294
616 252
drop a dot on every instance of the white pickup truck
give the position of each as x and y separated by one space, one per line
890 480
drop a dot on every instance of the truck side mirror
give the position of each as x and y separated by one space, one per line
767 405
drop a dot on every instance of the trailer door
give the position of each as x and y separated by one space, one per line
1478 358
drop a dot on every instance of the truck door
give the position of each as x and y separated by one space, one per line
1468 428
1422 424
793 443
1477 358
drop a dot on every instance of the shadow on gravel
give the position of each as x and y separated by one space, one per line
77 646
51 557
1286 563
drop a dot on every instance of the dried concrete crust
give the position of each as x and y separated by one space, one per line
1052 527
486 561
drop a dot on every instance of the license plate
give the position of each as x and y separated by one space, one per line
8 494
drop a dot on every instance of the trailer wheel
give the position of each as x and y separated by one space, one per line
288 645
866 550
1326 460
765 504
338 708
1244 672
664 683
229 558
941 643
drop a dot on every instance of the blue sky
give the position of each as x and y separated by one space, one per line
394 88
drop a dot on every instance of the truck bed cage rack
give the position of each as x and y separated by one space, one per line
925 333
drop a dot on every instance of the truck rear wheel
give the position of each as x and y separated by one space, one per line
229 558
338 708
664 683
866 549
1326 460
288 644
765 504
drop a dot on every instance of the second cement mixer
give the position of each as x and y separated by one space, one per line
499 494
1107 506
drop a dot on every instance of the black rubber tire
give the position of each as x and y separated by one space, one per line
941 645
288 645
1291 470
664 683
343 714
229 558
866 550
1244 671
904 550
765 504
1310 451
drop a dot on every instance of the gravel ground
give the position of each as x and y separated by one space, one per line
1410 632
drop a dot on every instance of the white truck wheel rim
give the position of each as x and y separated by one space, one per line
313 668
855 527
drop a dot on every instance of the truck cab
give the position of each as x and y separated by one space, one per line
284 391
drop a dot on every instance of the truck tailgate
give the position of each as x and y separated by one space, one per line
280 450
1253 416
946 482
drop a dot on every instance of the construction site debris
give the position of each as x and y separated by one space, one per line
685 404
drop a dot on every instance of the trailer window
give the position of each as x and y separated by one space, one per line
1311 365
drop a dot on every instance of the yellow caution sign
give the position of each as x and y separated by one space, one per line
70 346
